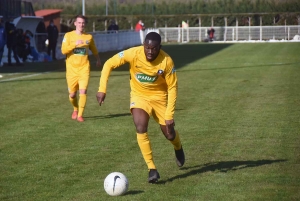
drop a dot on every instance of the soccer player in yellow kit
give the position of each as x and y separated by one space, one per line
153 83
76 45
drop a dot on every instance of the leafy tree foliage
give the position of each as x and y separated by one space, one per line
171 12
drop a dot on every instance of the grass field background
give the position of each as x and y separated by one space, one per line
238 113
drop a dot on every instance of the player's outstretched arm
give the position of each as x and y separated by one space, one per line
100 97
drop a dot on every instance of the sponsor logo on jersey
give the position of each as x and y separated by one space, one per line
64 40
87 42
132 104
145 78
121 54
160 72
79 51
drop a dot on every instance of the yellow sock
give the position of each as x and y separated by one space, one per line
81 104
146 150
176 142
74 103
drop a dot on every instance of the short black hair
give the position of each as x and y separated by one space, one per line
153 36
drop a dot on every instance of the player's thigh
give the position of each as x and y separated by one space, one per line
84 81
141 111
72 82
140 119
158 110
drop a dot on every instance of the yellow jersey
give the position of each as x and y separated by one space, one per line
156 80
77 61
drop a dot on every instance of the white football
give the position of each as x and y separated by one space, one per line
116 184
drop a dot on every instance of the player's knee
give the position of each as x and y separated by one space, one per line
82 91
171 136
141 129
72 95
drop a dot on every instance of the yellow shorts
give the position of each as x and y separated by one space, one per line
77 82
155 108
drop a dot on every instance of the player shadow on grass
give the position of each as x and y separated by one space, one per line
108 116
112 115
181 54
224 166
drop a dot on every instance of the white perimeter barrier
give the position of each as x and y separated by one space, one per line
128 38
106 42
231 33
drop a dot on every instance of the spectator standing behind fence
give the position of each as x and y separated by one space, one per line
139 26
2 40
11 41
211 33
52 39
113 27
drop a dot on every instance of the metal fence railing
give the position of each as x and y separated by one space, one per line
234 33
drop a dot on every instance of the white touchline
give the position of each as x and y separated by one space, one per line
25 76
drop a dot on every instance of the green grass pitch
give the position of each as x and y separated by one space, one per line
238 113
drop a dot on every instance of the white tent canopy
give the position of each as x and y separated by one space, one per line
29 23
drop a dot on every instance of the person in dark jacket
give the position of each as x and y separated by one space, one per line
11 41
52 39
211 33
113 27
2 40
23 45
